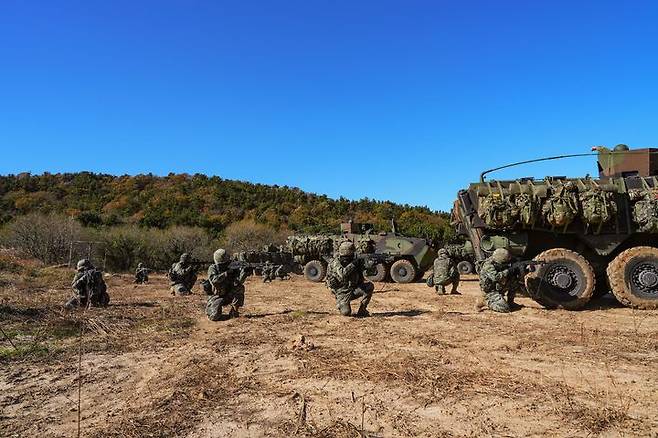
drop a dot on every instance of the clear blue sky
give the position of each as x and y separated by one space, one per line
399 100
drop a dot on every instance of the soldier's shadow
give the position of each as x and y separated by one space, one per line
605 302
409 313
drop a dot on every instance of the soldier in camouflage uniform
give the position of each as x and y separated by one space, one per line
496 279
141 274
182 275
445 269
89 286
267 272
346 281
227 287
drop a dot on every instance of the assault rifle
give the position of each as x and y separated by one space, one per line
522 267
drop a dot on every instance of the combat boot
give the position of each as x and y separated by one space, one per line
363 312
233 313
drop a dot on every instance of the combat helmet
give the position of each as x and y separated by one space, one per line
185 257
83 264
501 255
346 249
220 256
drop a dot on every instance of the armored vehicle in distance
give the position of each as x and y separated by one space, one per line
407 257
592 235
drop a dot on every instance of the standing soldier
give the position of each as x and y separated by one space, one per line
182 275
346 281
89 286
497 279
227 288
445 269
141 274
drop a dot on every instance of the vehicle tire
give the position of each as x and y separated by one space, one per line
633 277
379 276
315 271
465 267
566 280
403 271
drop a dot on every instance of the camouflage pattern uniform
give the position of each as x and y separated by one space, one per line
445 269
346 281
496 279
141 274
183 276
227 287
89 286
268 272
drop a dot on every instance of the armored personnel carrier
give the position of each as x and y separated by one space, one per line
407 258
590 235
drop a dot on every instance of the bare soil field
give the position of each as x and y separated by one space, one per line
152 365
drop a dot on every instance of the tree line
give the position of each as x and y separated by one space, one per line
210 203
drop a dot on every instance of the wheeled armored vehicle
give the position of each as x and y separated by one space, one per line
591 235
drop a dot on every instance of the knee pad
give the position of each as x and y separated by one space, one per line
345 309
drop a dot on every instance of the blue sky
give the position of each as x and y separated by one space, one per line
399 100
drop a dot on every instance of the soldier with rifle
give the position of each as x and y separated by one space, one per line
346 280
225 285
183 275
89 286
500 277
141 274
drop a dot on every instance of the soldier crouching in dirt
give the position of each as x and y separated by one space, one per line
141 274
226 287
445 270
182 275
346 281
496 280
89 286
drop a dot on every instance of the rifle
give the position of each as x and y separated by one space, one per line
522 267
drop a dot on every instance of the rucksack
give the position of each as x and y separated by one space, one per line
561 207
598 207
645 209
497 211
528 208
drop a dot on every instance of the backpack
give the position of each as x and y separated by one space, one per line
528 208
598 207
645 209
561 207
497 211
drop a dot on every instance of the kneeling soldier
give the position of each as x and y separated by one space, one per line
346 281
141 274
445 270
497 279
182 275
227 288
89 286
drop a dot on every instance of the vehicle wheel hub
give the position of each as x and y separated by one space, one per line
645 277
403 272
563 278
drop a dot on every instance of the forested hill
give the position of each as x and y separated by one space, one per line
198 200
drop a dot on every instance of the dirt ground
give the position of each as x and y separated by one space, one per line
422 365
